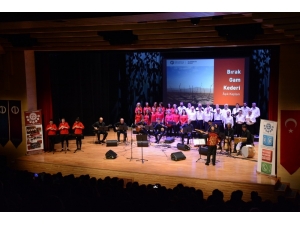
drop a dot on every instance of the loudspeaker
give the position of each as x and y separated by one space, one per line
169 140
111 143
176 156
183 147
110 154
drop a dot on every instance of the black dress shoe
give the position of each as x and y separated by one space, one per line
214 164
103 141
207 164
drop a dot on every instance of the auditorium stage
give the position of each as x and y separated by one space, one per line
229 174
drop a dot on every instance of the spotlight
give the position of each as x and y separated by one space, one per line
195 21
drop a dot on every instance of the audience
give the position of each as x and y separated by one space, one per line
23 191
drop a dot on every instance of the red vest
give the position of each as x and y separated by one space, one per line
212 139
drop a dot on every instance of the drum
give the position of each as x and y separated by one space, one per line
226 144
248 151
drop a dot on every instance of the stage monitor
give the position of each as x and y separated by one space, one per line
218 81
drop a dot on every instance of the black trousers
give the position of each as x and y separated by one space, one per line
78 138
104 135
158 136
121 132
64 138
51 142
238 129
211 151
187 135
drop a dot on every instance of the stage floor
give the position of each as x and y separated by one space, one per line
157 160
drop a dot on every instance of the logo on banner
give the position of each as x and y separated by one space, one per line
268 140
266 168
33 118
15 110
2 109
268 128
291 120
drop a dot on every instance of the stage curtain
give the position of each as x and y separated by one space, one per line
44 95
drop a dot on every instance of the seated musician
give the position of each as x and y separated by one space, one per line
169 122
186 131
245 134
97 127
159 130
121 130
229 134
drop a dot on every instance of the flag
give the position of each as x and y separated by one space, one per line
15 121
4 125
289 145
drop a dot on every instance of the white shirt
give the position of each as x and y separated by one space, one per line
188 110
207 116
235 110
215 110
180 108
192 115
250 119
245 110
228 119
240 119
255 112
224 112
199 115
218 116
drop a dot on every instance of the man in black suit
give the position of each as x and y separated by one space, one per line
121 128
159 130
97 126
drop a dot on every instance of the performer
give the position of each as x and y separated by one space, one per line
154 106
235 110
169 122
188 108
174 108
188 134
176 119
160 115
146 107
246 134
64 133
207 116
199 116
250 121
78 127
229 135
217 108
147 117
169 107
228 119
138 108
256 113
218 117
97 126
181 107
192 116
153 117
208 107
225 110
51 131
159 130
138 117
121 131
161 106
212 141
183 117
239 121
245 109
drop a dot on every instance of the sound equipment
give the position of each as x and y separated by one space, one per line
111 143
183 147
176 156
110 154
169 140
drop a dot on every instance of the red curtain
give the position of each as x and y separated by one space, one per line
44 95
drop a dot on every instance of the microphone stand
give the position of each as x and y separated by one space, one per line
131 145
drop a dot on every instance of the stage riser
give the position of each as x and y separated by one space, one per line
207 186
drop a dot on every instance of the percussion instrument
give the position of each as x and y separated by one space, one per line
248 151
239 139
225 144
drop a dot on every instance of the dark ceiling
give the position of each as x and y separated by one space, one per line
134 31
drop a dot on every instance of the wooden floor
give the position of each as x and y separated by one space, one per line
229 174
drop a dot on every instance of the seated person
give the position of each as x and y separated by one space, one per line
229 135
121 131
188 126
159 130
245 133
97 127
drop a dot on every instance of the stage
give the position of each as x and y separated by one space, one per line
153 164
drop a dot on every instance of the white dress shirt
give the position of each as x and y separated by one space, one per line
228 119
245 110
255 112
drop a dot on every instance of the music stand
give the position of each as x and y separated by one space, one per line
102 130
202 142
131 146
142 141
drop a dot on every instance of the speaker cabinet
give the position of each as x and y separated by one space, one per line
111 143
110 154
176 156
183 147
